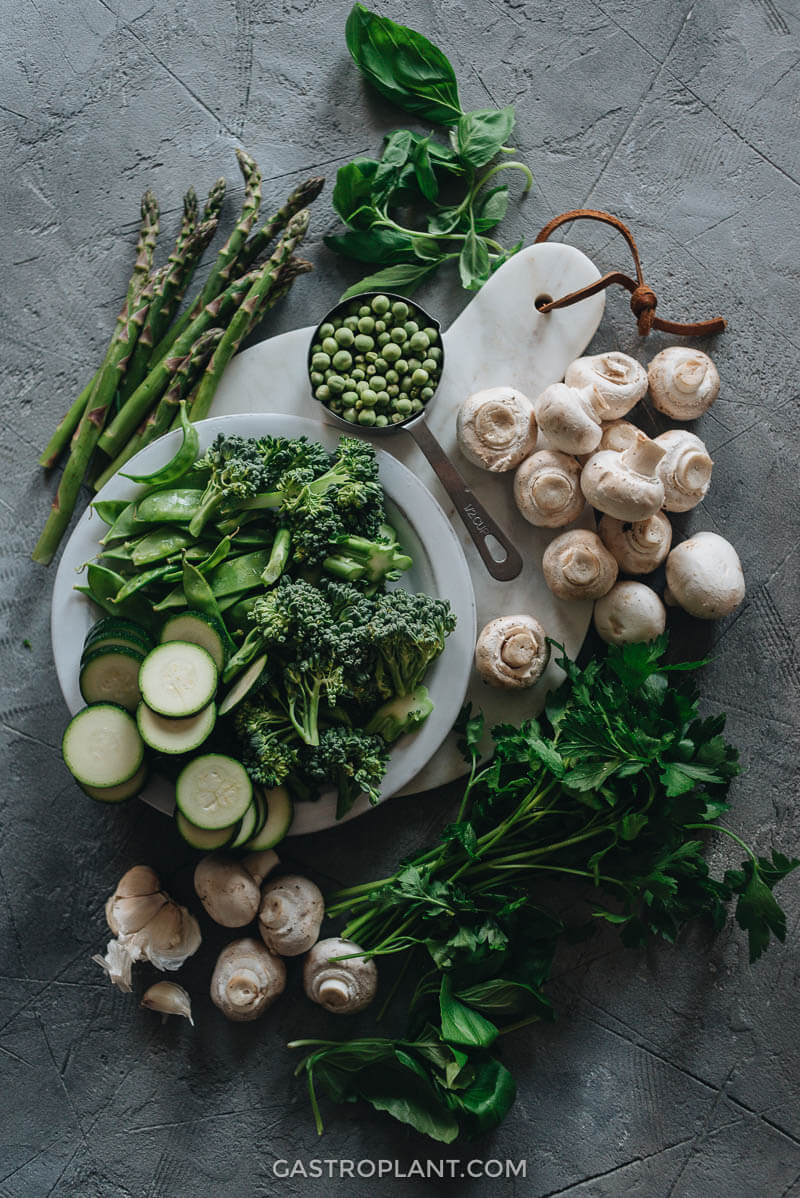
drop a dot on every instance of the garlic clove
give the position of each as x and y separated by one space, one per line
127 915
169 998
139 880
170 938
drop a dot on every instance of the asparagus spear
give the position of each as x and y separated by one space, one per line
240 322
221 270
160 419
128 418
214 201
301 197
148 232
86 434
189 220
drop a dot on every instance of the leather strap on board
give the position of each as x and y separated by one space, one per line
643 298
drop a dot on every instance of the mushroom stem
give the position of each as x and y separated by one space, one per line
643 456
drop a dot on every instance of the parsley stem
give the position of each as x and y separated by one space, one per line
727 831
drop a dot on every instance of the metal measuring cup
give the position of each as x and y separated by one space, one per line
481 527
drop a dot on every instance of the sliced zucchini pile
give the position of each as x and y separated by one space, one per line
263 823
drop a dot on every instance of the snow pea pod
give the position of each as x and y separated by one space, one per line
183 460
173 506
158 544
239 617
200 596
252 645
240 573
109 509
174 598
141 580
103 585
124 525
226 602
205 565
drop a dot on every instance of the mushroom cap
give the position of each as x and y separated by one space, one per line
625 485
496 428
704 576
547 489
291 912
617 435
639 546
566 417
577 565
615 382
683 382
685 469
247 979
631 612
227 890
512 652
341 987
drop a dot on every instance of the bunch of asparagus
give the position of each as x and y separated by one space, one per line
154 360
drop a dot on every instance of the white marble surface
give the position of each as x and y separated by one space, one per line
500 338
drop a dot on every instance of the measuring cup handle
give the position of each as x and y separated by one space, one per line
478 522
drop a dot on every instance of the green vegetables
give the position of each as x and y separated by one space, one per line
446 187
616 787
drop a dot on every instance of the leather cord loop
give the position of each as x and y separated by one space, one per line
643 297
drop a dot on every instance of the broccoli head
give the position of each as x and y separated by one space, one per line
349 759
400 714
407 633
237 474
267 740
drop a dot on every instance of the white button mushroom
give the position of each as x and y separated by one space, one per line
704 576
630 613
685 469
625 485
512 652
596 389
247 979
640 546
683 382
496 428
616 435
577 565
547 489
229 887
341 987
292 910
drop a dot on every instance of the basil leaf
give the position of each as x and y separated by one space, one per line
481 134
505 998
383 246
426 249
404 277
352 193
403 66
394 158
446 220
424 171
490 209
473 262
488 1098
460 1024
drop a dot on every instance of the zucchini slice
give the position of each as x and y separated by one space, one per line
102 746
279 816
111 675
118 794
197 628
243 685
178 679
248 825
119 627
167 735
213 791
206 839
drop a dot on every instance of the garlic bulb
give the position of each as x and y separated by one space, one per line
291 913
512 652
685 469
496 428
547 489
639 547
148 926
683 382
625 485
616 381
341 987
577 565
247 979
170 999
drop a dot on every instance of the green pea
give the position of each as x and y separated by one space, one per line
380 326
349 398
419 378
320 361
335 406
368 398
391 351
399 310
336 383
411 327
381 421
392 390
419 342
432 335
430 365
371 357
316 348
380 304
330 346
414 364
366 324
358 374
381 399
344 337
323 393
397 418
381 365
364 310
378 381
426 393
401 366
405 383
342 360
416 406
350 323
398 335
337 323
350 414
383 339
403 404
364 342
317 378
366 416
325 330
361 386
435 353
392 376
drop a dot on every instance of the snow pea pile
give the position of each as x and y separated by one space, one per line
376 361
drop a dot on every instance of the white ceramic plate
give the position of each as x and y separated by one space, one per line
439 569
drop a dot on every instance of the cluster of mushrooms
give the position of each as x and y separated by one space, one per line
595 456
250 973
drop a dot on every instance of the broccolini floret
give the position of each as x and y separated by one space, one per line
267 740
237 474
349 759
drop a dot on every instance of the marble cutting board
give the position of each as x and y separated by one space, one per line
499 338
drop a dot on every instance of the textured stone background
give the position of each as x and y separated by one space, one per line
673 1073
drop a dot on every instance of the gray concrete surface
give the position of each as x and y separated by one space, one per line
673 1073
